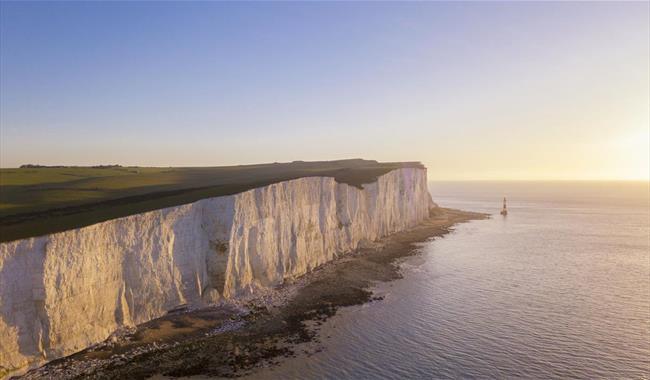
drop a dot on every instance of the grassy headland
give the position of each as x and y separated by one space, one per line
36 201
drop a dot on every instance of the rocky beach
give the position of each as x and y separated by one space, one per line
236 338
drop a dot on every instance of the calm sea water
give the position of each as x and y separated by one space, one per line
560 288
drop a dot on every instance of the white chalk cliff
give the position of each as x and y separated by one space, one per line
63 292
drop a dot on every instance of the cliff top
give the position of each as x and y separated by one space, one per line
37 200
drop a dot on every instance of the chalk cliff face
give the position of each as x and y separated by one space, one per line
62 292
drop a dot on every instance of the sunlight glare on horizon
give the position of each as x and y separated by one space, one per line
634 148
555 90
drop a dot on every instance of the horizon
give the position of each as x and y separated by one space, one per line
324 189
546 180
476 92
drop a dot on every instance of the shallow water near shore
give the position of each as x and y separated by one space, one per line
560 288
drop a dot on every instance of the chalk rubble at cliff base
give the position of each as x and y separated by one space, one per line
63 292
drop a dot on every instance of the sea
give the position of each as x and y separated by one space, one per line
557 289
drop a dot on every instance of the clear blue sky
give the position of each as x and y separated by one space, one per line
474 90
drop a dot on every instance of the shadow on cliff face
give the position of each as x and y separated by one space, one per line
24 324
227 342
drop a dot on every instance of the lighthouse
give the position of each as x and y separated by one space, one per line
504 210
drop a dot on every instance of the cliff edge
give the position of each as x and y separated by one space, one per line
62 292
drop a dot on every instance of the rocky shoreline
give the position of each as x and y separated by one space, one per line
234 339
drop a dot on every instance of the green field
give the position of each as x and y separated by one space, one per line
38 201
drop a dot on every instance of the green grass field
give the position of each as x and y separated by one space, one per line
38 201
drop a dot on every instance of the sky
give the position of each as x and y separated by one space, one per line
515 91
